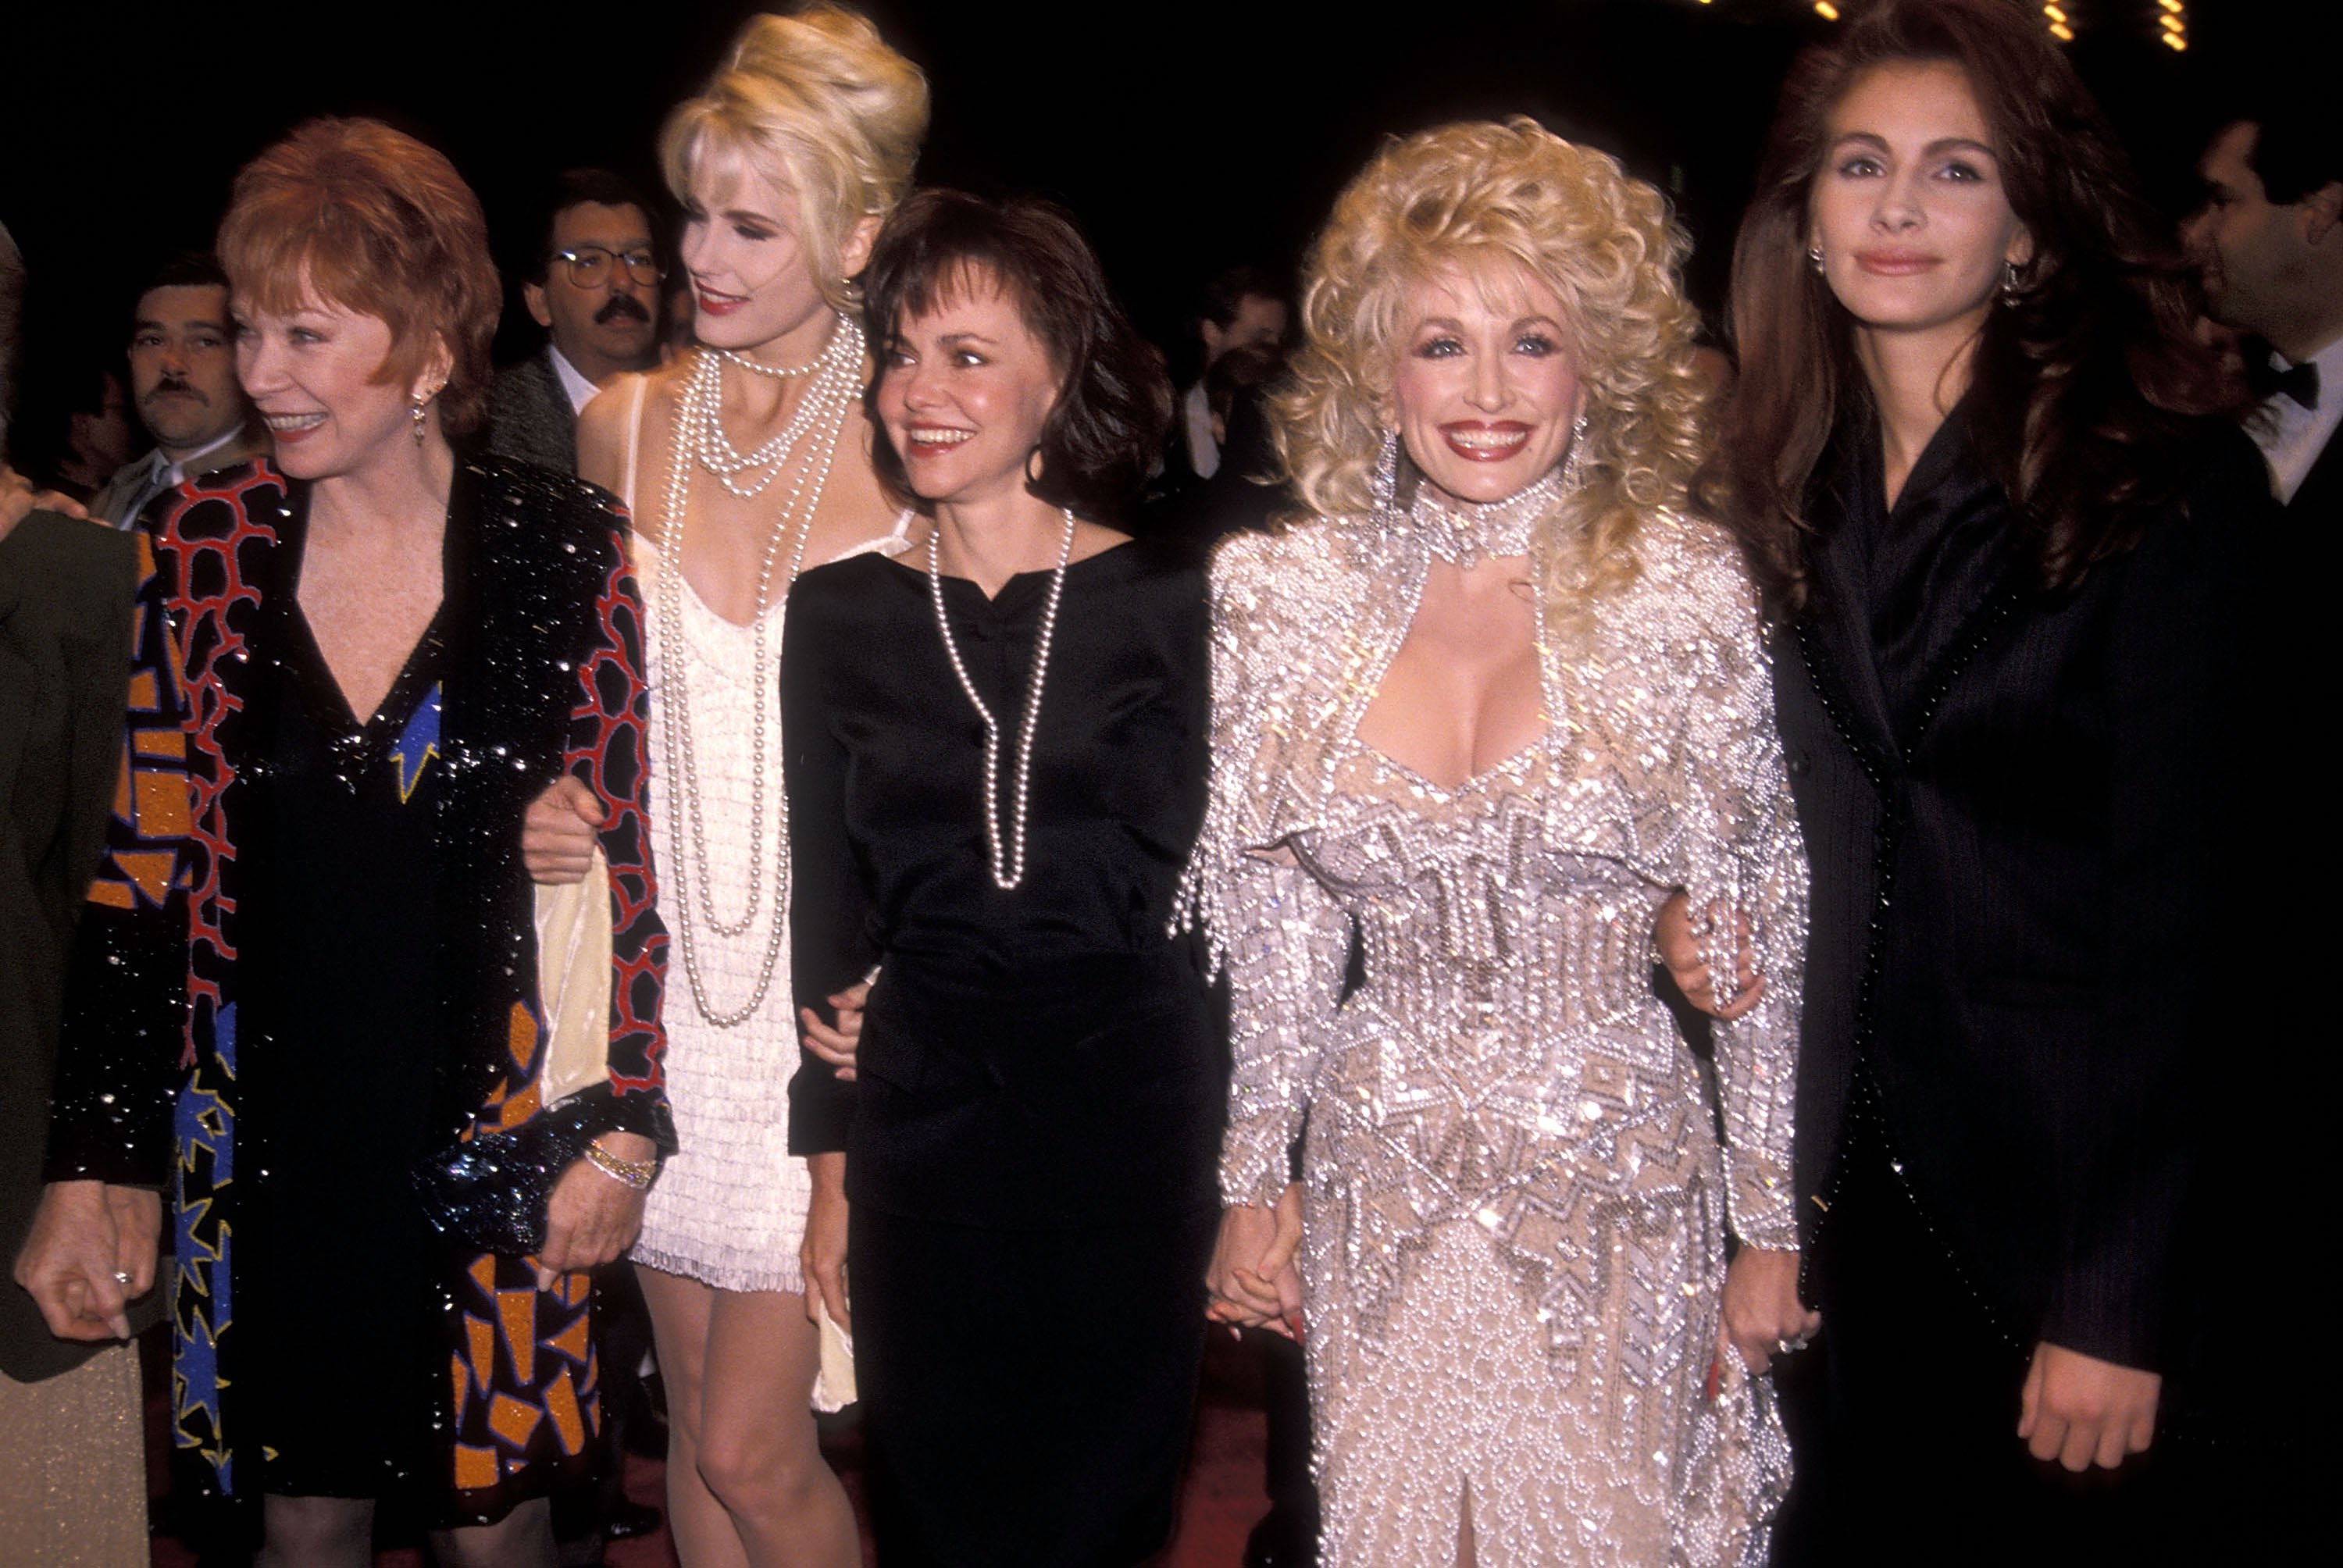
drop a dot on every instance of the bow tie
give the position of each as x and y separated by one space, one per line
2300 382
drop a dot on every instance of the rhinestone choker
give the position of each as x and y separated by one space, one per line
1464 535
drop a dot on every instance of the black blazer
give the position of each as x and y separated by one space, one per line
2320 494
2018 891
529 417
66 590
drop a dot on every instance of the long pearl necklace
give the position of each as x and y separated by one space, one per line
1008 868
820 418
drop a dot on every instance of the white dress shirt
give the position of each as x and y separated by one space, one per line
581 391
2292 435
162 474
1196 416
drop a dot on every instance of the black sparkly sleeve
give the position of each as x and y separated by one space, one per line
829 903
125 1025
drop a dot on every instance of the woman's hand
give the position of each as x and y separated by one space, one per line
837 1046
89 1253
1679 950
1763 1317
557 835
2081 1410
592 1216
821 1256
1253 1277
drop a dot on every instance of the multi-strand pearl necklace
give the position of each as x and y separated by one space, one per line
810 437
1007 858
837 373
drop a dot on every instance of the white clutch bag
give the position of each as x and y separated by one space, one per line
833 1385
573 981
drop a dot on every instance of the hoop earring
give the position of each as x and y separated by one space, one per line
1032 478
1815 259
1383 488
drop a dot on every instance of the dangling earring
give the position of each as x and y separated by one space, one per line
2010 291
415 408
1383 491
1815 259
1574 467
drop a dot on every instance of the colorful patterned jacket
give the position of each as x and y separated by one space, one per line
543 677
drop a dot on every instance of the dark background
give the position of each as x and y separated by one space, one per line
1184 136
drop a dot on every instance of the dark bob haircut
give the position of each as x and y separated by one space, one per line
1114 403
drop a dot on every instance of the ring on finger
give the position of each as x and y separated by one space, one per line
121 1276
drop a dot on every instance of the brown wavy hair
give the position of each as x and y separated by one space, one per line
1512 194
2089 398
1114 402
369 218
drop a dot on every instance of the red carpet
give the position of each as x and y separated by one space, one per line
1221 1495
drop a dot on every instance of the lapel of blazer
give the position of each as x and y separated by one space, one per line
2320 494
1834 638
558 421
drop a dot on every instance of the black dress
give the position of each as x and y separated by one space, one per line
340 1074
1031 1146
2021 810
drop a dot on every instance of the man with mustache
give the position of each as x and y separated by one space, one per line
594 286
183 384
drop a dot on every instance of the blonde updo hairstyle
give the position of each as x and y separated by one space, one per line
818 106
1484 196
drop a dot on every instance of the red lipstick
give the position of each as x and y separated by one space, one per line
1485 440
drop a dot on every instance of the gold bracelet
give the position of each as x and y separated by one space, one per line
637 1174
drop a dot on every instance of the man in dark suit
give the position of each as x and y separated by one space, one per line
594 286
2268 243
182 360
72 1481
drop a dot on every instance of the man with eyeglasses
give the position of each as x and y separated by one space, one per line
594 286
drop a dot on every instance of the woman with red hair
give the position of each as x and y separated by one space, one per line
304 985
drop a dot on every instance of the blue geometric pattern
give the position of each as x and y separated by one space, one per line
418 743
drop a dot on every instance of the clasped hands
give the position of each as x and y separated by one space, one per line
1253 1279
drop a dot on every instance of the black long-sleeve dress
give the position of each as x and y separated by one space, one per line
1031 1146
2021 811
307 963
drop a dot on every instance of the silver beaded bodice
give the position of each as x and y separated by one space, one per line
1508 1144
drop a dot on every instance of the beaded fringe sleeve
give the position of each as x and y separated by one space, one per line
1660 733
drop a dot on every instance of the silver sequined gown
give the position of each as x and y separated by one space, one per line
1515 1199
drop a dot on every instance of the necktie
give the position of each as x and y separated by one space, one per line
2300 382
157 481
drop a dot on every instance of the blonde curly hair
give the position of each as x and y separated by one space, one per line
817 104
1479 195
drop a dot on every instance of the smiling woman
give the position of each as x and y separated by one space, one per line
347 686
744 461
1493 708
992 816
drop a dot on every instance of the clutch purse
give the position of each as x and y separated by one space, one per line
487 1194
833 1383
